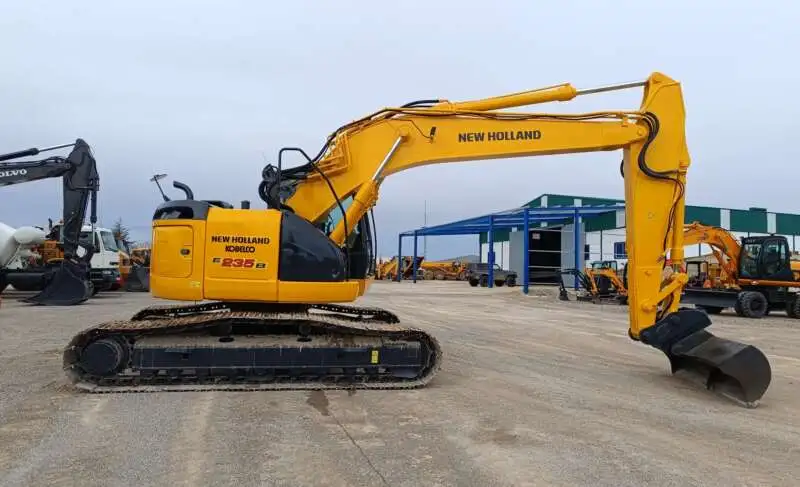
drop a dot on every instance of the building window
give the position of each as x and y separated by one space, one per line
619 250
586 249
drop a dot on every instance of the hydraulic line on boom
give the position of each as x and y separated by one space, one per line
274 321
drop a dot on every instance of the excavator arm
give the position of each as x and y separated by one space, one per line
359 156
78 171
723 244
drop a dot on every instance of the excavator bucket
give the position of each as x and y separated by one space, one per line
138 280
69 285
735 370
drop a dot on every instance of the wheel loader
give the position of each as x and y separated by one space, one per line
265 297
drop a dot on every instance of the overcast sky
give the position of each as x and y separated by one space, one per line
208 91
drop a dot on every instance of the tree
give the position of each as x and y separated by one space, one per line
121 233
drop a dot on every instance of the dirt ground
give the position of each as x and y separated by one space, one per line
533 391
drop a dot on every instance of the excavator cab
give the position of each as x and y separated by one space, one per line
698 272
766 258
360 250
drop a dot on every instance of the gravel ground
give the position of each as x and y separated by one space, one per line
533 391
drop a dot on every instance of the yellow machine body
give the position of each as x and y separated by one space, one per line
233 255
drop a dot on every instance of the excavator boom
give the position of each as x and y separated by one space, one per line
723 244
312 247
69 283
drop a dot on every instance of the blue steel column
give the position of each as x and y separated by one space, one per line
526 236
576 221
490 255
399 257
414 260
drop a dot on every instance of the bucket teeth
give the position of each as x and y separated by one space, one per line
738 371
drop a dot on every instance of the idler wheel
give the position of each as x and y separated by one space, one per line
104 357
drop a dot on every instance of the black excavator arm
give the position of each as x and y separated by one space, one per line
68 284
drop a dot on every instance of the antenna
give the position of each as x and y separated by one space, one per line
155 179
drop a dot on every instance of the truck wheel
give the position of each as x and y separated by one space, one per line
754 304
438 276
484 281
712 310
473 282
792 306
737 306
511 281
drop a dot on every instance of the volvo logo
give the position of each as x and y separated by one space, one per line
13 172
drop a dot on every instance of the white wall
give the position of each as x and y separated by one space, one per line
515 257
501 254
618 235
609 237
568 251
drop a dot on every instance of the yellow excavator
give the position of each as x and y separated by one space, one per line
607 281
601 282
758 275
276 282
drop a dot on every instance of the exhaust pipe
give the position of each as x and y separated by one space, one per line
69 285
735 370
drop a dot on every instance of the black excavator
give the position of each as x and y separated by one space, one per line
66 283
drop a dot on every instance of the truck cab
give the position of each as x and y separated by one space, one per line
104 272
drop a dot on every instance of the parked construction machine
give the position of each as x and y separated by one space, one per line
139 276
135 269
601 281
608 280
104 263
446 270
276 281
388 270
67 280
757 275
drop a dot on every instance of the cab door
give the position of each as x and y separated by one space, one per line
775 264
175 269
172 251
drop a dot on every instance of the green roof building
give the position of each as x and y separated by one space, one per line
603 237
